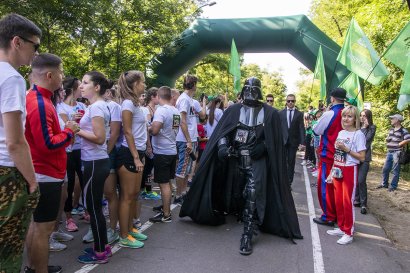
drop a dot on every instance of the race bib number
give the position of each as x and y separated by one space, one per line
176 121
241 136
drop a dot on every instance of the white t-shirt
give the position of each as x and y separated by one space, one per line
146 112
217 117
164 142
355 141
186 104
115 114
139 125
89 150
70 111
12 98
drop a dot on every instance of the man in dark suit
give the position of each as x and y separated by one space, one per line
293 131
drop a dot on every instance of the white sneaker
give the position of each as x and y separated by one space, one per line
53 245
112 236
335 232
303 163
314 174
61 236
88 238
346 239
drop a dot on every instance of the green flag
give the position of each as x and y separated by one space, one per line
235 68
358 55
399 50
320 73
398 53
404 98
352 86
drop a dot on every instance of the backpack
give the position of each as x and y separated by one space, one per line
404 157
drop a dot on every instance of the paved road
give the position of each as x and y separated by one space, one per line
182 246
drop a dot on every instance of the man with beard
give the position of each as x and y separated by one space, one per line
250 177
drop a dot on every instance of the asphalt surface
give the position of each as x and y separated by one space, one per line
183 246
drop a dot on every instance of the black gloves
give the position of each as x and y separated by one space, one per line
223 151
258 151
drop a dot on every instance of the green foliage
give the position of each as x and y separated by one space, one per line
215 79
381 20
111 36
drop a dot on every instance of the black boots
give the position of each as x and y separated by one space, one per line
246 245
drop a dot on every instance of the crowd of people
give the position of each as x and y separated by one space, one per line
68 144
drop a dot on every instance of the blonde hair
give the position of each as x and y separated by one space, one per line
350 109
126 83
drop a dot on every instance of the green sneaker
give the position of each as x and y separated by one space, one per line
130 242
137 235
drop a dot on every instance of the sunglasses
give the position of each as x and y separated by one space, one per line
269 100
36 46
289 101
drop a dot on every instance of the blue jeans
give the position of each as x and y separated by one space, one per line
390 164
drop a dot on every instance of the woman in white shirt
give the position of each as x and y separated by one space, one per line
350 150
130 160
94 125
214 115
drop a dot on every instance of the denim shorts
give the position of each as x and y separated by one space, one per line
184 165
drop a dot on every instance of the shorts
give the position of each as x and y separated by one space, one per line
164 168
184 165
124 158
49 203
113 159
16 209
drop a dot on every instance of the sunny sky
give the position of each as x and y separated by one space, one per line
283 62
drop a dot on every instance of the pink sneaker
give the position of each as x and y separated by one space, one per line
70 225
85 217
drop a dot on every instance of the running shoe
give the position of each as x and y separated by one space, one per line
160 218
346 239
70 225
112 236
51 269
61 236
55 246
93 258
158 208
130 242
152 195
138 235
88 238
90 251
78 210
335 232
137 223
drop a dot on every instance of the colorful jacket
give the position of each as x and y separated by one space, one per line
43 133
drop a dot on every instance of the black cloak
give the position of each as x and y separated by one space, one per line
216 186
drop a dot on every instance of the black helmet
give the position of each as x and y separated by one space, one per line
251 91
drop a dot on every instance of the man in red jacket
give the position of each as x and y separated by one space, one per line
47 145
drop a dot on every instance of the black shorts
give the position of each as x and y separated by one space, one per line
164 168
49 203
124 158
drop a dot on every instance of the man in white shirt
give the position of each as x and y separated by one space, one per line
187 135
19 42
164 128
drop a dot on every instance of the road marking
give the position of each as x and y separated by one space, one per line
87 268
314 232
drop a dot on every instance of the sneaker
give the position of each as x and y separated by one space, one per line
90 250
106 211
61 236
157 209
363 210
346 239
93 258
137 224
78 210
138 235
315 173
130 242
51 269
391 189
85 217
143 194
160 218
70 225
179 200
112 236
303 163
55 246
381 187
152 195
335 232
88 238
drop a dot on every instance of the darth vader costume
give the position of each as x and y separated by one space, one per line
243 171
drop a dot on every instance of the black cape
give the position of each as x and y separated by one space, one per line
215 185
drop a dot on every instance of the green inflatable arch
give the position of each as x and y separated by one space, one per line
296 35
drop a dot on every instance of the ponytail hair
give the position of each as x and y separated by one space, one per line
98 78
70 84
212 108
126 83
